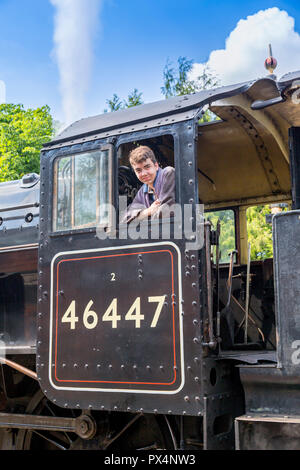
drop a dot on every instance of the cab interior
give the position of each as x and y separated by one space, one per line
243 170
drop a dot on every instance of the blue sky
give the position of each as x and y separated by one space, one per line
131 42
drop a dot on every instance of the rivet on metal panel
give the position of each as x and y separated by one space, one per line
189 368
197 398
75 365
186 398
169 412
65 405
155 411
191 201
86 366
128 408
193 284
195 321
197 379
196 340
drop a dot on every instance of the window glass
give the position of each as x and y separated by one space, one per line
227 232
83 190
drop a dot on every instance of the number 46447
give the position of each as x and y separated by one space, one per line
90 318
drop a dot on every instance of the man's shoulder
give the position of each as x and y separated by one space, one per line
168 170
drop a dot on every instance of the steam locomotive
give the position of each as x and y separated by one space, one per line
119 338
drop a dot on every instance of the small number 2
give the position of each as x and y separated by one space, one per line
113 276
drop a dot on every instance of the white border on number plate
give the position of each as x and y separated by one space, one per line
120 390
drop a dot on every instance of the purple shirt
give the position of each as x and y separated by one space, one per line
164 188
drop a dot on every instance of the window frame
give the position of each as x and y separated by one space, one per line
72 156
236 230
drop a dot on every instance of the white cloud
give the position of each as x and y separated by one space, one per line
2 92
75 22
246 48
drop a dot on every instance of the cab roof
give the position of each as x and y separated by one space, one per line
175 109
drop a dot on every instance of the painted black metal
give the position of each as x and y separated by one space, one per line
19 212
203 384
294 143
188 374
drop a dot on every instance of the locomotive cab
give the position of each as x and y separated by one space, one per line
126 313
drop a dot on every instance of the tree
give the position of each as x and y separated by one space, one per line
115 104
22 135
177 82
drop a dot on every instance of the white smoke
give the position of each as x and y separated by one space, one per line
246 48
2 92
75 25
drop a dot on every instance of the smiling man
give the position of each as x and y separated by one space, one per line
158 188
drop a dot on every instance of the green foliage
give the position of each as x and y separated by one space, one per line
115 104
134 99
227 231
22 135
259 232
177 82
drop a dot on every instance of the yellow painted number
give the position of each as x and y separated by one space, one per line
134 313
160 300
90 318
111 314
69 316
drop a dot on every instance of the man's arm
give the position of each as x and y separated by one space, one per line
167 193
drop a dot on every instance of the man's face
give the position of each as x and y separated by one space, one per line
146 171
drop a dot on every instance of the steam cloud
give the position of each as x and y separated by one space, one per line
75 25
246 48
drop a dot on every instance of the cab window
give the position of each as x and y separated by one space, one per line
82 190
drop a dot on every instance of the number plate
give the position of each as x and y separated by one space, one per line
115 319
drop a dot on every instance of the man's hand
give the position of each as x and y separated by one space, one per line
151 210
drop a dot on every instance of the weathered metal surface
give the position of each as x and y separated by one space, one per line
267 432
84 426
19 211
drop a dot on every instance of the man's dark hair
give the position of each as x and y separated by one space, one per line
140 154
